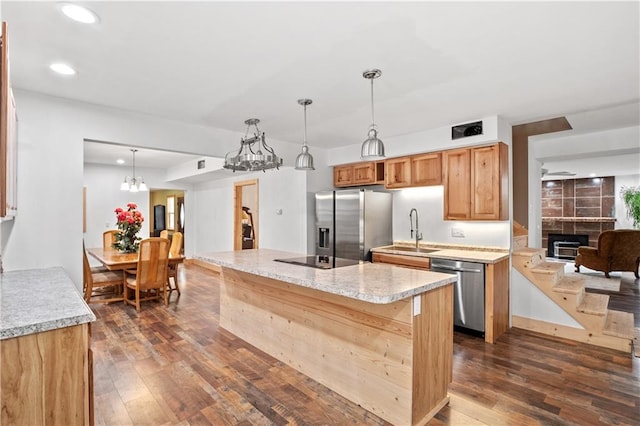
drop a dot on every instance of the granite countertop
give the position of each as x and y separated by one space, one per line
379 283
37 300
442 251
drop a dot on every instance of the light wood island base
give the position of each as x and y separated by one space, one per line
392 362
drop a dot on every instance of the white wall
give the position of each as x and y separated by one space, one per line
102 184
48 229
283 190
415 143
429 201
50 180
529 301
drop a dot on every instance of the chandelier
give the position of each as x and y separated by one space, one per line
133 183
254 153
304 161
372 147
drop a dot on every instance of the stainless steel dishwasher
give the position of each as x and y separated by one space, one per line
468 292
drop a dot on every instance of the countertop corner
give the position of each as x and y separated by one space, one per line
37 300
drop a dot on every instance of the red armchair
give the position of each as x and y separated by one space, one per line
618 250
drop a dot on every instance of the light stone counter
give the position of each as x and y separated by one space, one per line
467 254
370 282
36 300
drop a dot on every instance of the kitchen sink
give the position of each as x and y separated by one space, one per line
409 249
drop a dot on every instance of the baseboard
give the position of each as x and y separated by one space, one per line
203 264
572 333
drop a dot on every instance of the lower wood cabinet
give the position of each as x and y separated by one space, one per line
407 261
46 378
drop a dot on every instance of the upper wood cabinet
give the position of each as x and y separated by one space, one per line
476 183
415 170
426 169
397 172
457 184
357 174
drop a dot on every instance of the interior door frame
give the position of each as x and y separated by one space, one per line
237 213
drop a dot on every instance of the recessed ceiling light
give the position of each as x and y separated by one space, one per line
120 161
62 69
78 13
592 175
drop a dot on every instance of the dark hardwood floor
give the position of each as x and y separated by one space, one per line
174 365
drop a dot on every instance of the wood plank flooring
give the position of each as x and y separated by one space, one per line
174 365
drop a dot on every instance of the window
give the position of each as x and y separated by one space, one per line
171 212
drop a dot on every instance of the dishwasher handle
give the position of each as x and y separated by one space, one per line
453 268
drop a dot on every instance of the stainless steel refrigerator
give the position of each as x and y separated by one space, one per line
350 222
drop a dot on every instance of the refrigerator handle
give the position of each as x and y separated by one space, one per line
323 237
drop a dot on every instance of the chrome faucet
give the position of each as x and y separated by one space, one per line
418 234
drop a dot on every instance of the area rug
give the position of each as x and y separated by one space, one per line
597 280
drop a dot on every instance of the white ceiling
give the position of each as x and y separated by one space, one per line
219 63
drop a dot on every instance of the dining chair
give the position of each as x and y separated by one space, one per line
150 276
176 248
164 234
98 283
109 237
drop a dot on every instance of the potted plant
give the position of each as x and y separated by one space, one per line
631 197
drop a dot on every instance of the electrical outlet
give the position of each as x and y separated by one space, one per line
457 232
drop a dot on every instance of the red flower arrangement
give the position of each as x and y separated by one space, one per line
129 223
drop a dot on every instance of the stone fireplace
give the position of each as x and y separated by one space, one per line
577 207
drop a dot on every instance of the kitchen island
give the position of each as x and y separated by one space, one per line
380 335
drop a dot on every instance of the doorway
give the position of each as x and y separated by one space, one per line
166 212
245 213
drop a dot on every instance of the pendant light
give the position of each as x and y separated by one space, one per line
250 156
372 147
304 160
133 183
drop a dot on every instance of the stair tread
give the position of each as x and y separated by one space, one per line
571 285
619 324
595 304
548 267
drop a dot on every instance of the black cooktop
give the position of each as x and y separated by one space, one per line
320 262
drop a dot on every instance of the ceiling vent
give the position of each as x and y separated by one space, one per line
465 130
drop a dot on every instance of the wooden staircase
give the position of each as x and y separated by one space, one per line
602 326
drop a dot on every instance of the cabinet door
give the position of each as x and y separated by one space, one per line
426 169
397 172
414 262
457 184
489 182
364 173
343 175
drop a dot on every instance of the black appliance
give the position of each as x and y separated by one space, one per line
158 219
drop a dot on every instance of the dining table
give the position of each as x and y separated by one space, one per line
115 260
